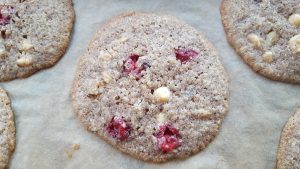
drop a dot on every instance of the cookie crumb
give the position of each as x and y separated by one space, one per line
70 152
76 146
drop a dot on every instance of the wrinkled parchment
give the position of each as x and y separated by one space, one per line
47 127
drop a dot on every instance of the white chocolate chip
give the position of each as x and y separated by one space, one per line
123 39
105 56
93 87
8 32
204 113
106 77
5 13
294 44
161 118
272 37
201 113
26 45
295 19
162 94
24 61
267 57
50 50
260 20
254 40
2 51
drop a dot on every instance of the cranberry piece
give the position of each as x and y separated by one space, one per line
168 138
5 14
185 55
118 128
131 67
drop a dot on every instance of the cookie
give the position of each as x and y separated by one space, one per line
7 130
34 34
151 86
288 155
266 34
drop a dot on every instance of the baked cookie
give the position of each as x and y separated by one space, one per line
34 34
7 130
266 34
152 87
288 155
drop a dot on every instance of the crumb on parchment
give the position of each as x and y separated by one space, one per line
70 151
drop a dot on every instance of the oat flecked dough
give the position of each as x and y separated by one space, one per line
266 34
151 86
34 35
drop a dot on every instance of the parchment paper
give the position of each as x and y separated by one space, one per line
47 127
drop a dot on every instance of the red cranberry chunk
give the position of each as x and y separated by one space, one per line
131 66
185 55
6 13
118 128
168 138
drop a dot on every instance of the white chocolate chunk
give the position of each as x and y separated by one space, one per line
162 94
122 39
294 44
161 118
24 61
106 77
295 19
254 40
26 45
2 51
267 57
204 113
104 56
272 37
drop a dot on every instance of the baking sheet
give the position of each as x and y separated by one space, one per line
47 127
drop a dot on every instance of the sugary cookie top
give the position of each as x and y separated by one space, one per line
34 34
266 34
151 86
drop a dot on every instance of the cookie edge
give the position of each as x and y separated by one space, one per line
286 135
11 128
